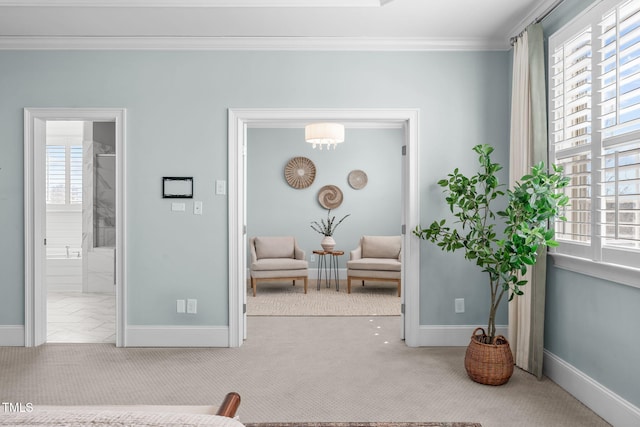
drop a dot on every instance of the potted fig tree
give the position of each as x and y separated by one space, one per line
505 256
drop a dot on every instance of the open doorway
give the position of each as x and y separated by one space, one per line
80 191
74 226
240 120
370 205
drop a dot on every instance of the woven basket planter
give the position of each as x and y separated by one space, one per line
490 364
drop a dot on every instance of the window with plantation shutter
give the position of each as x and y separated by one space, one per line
63 164
56 163
75 175
594 84
571 104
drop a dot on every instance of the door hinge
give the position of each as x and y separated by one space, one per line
45 242
244 229
404 150
404 229
244 308
402 308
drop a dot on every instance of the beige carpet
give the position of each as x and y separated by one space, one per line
283 299
292 369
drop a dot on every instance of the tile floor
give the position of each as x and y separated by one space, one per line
76 317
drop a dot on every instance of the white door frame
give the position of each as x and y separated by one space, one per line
240 119
35 298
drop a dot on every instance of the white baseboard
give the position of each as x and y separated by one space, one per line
11 335
450 335
177 336
604 402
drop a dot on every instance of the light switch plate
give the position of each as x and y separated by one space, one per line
197 207
221 187
177 207
459 305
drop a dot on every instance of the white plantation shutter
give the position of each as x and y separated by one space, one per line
75 175
571 104
619 67
620 200
64 175
56 175
595 131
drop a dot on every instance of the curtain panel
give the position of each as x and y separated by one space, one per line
528 146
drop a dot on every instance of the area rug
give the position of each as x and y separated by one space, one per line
356 424
283 299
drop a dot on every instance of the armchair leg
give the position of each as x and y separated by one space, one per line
254 285
348 284
399 288
305 284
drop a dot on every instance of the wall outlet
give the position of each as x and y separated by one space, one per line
313 258
459 304
181 306
192 306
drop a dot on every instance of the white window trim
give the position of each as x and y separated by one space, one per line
580 258
602 270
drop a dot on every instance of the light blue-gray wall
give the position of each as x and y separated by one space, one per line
177 126
274 208
592 323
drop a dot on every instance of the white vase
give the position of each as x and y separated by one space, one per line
328 243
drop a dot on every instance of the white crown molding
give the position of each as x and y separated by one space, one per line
194 3
249 43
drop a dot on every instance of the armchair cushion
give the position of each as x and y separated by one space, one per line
275 247
381 246
271 264
378 264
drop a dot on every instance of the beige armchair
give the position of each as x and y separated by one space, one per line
378 258
275 259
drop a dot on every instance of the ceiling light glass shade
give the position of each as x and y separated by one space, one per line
319 134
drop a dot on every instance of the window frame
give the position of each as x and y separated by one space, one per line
591 258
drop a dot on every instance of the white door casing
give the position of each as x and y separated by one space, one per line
239 119
35 320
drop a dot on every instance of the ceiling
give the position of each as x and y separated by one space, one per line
285 24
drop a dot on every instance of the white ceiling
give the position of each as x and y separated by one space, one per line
319 24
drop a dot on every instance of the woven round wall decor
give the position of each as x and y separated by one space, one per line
357 179
330 197
300 172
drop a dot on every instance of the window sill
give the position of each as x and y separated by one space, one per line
602 270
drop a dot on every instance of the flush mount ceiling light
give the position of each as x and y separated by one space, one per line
319 134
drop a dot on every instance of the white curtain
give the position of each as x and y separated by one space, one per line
528 146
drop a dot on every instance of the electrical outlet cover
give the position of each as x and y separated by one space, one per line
192 306
181 306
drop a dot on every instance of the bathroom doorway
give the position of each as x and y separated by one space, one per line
74 226
80 231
